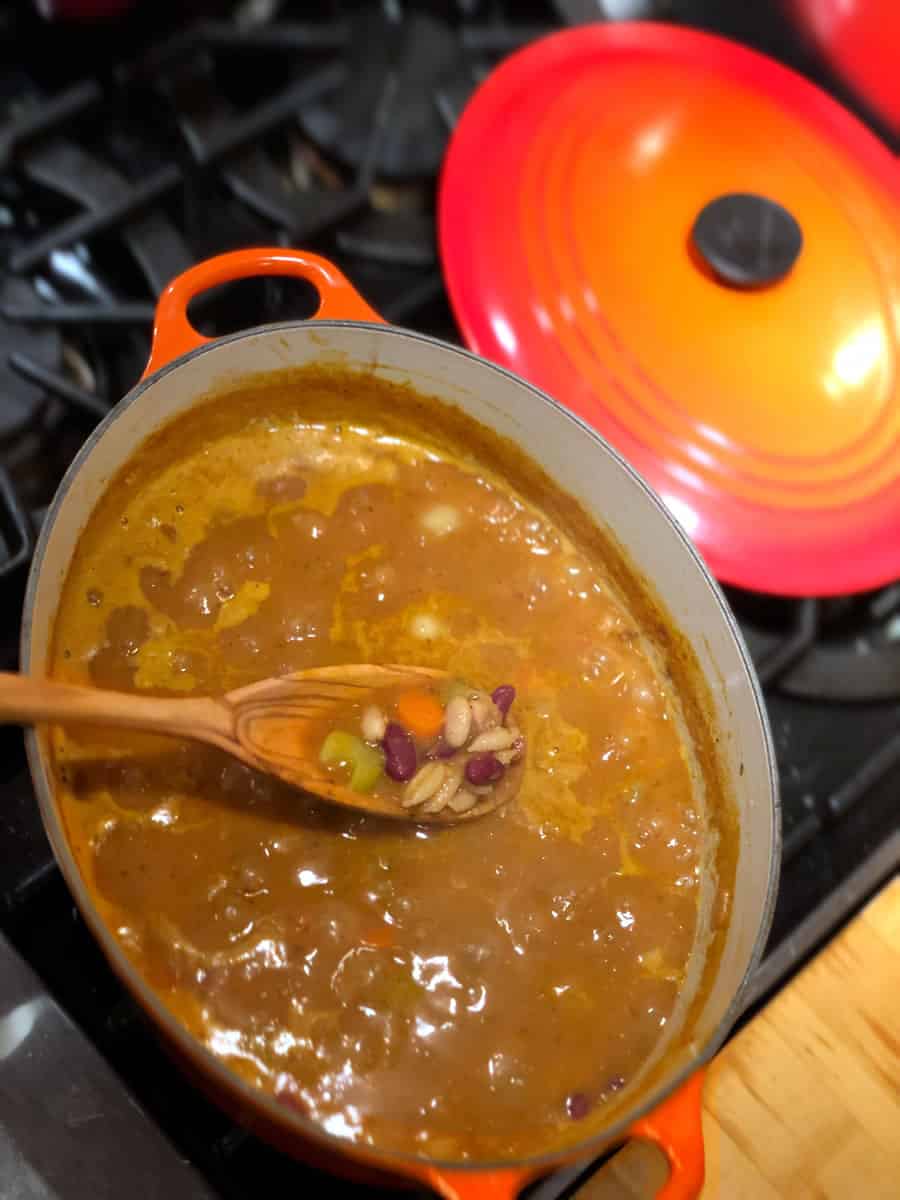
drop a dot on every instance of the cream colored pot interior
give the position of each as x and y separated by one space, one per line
585 466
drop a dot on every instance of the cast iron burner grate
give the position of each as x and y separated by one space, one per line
129 153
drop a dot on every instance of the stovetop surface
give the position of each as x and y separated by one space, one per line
126 155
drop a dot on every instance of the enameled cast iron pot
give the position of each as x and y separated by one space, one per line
185 367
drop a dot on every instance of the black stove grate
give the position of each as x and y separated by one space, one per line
122 168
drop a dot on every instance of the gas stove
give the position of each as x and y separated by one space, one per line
128 153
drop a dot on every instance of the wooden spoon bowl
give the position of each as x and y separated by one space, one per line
274 726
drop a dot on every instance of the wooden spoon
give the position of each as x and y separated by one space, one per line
275 726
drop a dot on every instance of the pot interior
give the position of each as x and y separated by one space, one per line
593 475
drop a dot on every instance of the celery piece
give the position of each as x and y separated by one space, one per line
339 747
366 764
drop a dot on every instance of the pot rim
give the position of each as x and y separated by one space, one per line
177 1033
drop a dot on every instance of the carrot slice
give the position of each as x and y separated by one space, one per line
421 713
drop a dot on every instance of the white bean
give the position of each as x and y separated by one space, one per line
424 784
426 627
514 753
485 713
492 739
462 801
457 722
442 519
445 792
374 723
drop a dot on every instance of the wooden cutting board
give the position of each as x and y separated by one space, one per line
804 1103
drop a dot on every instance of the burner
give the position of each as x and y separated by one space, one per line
840 649
403 64
581 12
265 194
23 347
65 169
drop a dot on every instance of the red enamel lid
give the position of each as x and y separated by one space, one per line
698 252
860 41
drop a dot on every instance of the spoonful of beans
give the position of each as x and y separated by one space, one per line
408 743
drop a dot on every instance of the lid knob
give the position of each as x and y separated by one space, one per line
747 241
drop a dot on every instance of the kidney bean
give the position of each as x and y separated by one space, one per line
484 768
503 697
578 1106
399 753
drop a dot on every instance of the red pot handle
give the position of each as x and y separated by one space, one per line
174 335
477 1185
675 1126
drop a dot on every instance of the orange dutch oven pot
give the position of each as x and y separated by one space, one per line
183 368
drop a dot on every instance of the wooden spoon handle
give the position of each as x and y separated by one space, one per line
24 701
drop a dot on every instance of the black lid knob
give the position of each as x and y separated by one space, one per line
747 241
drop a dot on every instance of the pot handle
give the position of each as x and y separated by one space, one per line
675 1126
173 333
